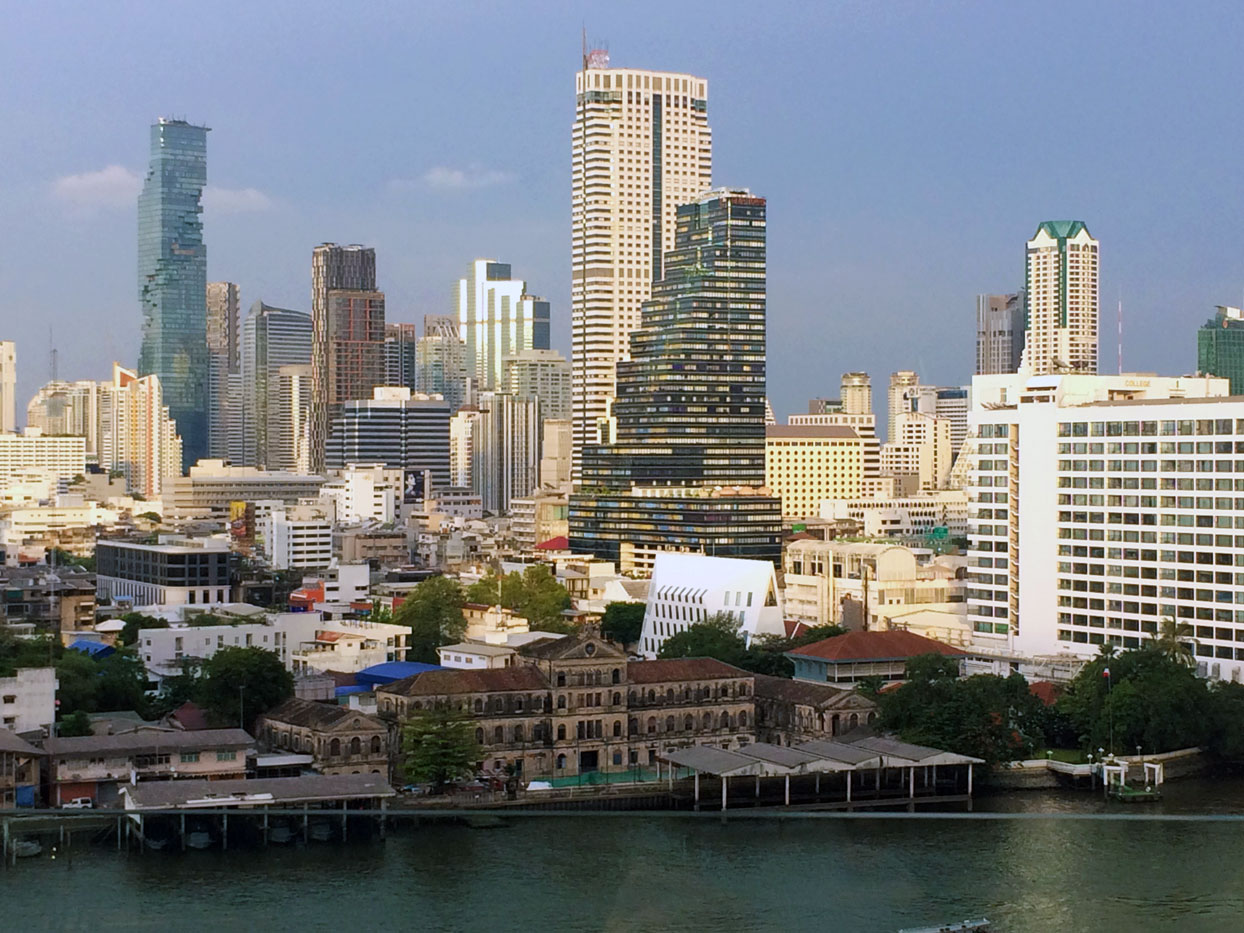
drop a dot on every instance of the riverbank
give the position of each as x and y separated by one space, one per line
1049 773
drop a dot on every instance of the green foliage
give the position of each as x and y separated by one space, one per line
379 613
121 682
62 558
1227 737
136 622
76 723
989 717
623 622
1152 699
439 747
245 681
534 594
814 634
715 637
151 517
41 651
433 610
179 689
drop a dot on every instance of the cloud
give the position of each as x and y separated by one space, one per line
443 178
114 186
235 200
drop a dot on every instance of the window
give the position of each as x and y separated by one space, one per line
479 736
189 758
356 746
498 734
375 745
227 756
652 724
10 698
617 727
561 702
334 748
561 733
617 676
669 723
561 762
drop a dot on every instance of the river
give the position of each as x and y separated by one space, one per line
1028 861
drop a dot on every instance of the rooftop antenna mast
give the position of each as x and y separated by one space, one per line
1120 330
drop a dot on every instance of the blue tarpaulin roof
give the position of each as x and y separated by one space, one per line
390 671
95 649
347 691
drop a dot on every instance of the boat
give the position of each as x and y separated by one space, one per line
27 848
1124 793
198 839
320 831
280 834
963 926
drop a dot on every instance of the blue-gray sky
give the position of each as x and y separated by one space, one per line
907 151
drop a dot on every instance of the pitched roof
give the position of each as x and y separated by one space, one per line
573 646
560 543
440 683
133 743
676 669
798 691
312 715
159 795
191 716
1061 229
12 742
874 646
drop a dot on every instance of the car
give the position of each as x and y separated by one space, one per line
415 790
79 803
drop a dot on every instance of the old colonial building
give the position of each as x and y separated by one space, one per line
340 740
576 706
789 712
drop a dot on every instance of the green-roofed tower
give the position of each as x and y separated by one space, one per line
1061 299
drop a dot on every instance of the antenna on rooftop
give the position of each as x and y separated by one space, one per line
1120 330
52 349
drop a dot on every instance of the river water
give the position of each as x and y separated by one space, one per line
1030 861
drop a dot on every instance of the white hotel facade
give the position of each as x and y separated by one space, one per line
1100 505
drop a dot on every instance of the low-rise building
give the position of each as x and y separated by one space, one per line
539 517
375 546
19 771
340 740
28 700
905 516
492 625
210 486
177 570
52 599
346 652
845 660
297 537
469 656
789 712
94 765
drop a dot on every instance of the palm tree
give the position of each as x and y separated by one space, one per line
1174 641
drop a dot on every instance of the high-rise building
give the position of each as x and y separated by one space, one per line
542 374
288 435
272 338
688 468
921 448
505 449
896 398
951 404
497 318
70 408
857 394
556 449
1220 347
172 278
1061 302
461 446
347 334
641 147
806 465
8 386
396 428
441 367
222 362
401 355
137 436
999 333
863 424
824 406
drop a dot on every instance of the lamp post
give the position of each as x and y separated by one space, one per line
241 708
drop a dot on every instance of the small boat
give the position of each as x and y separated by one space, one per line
198 839
280 834
320 831
963 926
1125 793
27 848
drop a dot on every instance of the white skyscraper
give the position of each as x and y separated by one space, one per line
1061 300
542 374
641 147
8 385
497 318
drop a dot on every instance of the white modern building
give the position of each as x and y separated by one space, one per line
28 700
362 492
210 486
920 447
542 374
1102 505
689 588
1061 300
470 656
641 146
296 537
273 338
497 318
8 386
999 333
905 516
505 449
31 452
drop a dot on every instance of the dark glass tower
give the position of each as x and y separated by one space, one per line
1220 347
687 466
172 278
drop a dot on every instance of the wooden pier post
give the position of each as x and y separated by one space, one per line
788 790
724 780
224 832
343 821
183 831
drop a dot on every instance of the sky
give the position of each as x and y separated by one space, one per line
907 152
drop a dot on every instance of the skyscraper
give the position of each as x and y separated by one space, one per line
1061 300
172 278
401 355
999 333
347 334
896 399
641 147
394 427
222 362
542 374
8 386
272 338
505 449
497 318
857 394
688 466
441 361
1220 347
136 434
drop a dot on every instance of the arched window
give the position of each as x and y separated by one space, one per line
479 736
708 720
833 724
479 705
669 723
498 734
617 675
652 696
561 733
633 726
418 705
356 746
742 690
725 720
617 698
518 733
743 720
631 696
669 695
561 762
334 748
689 723
498 704
854 721
375 745
872 717
561 702
617 727
652 724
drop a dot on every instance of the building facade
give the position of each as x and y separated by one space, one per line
172 278
541 374
497 318
339 739
1220 347
401 345
640 146
1061 300
441 364
176 571
272 338
223 362
806 465
999 333
8 386
394 428
505 449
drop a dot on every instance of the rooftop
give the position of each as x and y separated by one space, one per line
874 646
308 788
312 715
133 743
443 682
680 669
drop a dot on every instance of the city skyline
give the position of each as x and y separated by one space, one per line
428 207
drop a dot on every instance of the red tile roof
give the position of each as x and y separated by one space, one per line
560 543
875 646
678 669
441 683
1044 691
795 627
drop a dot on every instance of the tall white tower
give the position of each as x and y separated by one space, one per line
1061 300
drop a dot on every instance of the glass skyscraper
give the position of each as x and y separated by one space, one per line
688 465
1220 347
172 278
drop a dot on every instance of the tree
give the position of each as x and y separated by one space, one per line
623 622
77 676
439 747
542 600
121 683
1227 738
181 688
1174 641
433 611
245 682
135 622
75 724
492 590
717 636
153 517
